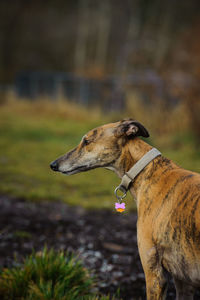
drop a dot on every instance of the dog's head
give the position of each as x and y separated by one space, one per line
100 147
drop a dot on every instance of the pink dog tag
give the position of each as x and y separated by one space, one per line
120 207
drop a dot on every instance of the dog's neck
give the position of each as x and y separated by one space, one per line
132 152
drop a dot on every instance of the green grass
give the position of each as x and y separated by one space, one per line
29 142
33 135
48 275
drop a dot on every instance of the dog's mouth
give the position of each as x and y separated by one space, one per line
76 170
83 168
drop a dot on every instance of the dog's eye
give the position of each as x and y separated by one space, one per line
85 141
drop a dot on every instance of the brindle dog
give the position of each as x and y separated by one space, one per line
168 204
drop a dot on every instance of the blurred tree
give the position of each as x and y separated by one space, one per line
82 36
192 42
10 27
183 73
103 20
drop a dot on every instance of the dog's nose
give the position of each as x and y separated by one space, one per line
54 166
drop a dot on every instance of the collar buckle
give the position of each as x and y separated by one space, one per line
123 190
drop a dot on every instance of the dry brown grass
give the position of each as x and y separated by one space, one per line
158 117
162 120
45 107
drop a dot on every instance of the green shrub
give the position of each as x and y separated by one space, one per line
49 275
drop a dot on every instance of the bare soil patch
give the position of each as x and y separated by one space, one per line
105 240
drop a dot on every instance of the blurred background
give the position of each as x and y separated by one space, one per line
67 67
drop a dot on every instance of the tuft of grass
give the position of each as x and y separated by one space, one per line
48 275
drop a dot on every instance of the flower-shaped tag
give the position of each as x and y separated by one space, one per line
120 207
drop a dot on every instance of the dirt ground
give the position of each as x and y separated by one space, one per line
105 240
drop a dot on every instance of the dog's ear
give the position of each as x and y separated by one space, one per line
131 128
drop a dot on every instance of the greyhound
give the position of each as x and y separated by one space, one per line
167 198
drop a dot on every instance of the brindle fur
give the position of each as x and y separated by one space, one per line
168 204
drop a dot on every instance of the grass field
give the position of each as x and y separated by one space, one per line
33 135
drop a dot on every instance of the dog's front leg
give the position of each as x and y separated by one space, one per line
156 285
156 282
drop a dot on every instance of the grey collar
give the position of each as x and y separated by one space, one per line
134 171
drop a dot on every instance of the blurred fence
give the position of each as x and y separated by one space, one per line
109 93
